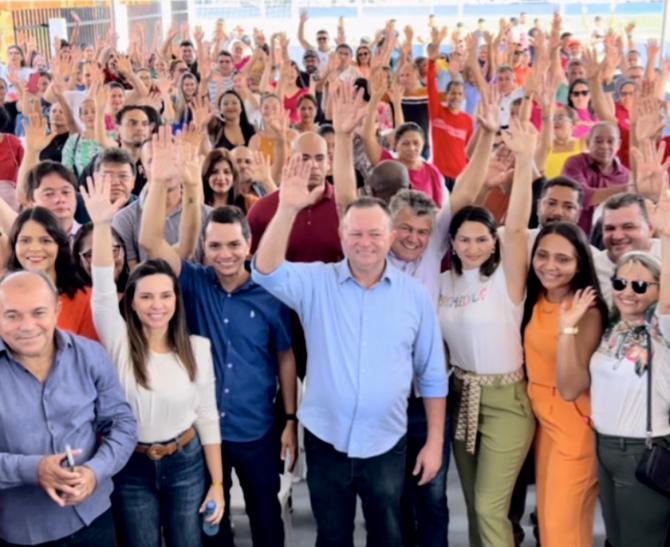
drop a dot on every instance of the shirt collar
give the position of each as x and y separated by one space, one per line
343 272
594 163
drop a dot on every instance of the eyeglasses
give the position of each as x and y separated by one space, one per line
364 54
87 255
582 93
322 38
639 287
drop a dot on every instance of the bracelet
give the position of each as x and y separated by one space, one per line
291 418
570 330
217 483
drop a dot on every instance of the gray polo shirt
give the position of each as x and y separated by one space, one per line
128 222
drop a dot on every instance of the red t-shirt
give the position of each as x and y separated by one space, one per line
623 120
314 236
11 155
291 105
75 314
450 131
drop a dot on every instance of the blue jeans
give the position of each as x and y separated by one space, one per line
334 479
255 464
166 494
425 516
100 533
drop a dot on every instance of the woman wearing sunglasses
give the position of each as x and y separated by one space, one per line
617 377
579 98
565 458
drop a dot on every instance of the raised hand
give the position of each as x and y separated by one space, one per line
202 112
189 163
521 138
35 126
379 84
650 171
649 120
304 16
294 191
396 92
488 111
660 213
590 62
348 108
261 168
124 66
98 201
198 34
163 155
573 312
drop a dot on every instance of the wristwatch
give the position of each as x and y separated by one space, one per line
291 418
570 330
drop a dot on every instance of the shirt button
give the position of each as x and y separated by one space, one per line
225 320
226 390
223 414
230 365
228 295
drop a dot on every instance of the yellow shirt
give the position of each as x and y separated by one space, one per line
556 160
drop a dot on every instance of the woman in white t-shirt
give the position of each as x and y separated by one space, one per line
168 379
617 377
480 311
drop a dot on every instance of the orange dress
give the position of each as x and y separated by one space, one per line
75 314
565 456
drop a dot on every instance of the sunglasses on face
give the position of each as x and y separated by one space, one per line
322 38
639 287
582 93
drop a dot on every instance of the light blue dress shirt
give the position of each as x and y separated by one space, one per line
364 347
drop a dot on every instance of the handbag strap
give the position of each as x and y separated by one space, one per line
649 436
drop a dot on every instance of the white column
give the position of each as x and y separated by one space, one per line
166 18
190 9
665 31
120 18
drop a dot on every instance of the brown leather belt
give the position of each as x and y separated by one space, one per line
158 451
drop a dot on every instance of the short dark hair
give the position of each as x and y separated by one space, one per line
186 43
454 83
225 53
368 202
472 213
46 168
113 155
406 128
129 108
326 129
229 214
345 46
627 199
565 182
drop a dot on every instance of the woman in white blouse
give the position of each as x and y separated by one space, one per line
168 379
617 378
480 311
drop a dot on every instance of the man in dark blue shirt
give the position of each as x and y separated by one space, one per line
251 344
57 390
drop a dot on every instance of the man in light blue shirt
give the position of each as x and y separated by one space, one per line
370 331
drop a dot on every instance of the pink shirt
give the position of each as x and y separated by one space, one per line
427 179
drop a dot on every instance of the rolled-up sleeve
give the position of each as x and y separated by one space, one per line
114 419
430 370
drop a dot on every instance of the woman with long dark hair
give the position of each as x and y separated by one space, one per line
230 127
481 299
221 184
565 460
38 243
579 99
168 379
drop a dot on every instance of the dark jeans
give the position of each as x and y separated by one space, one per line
166 494
100 533
255 464
424 512
634 514
334 479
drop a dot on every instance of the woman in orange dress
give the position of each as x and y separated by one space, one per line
565 458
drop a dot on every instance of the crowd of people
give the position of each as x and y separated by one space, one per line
206 244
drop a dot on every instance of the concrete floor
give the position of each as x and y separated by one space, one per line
304 528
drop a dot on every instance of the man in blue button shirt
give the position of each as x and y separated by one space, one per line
370 331
251 344
57 390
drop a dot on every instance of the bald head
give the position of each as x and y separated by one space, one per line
29 310
313 147
244 160
387 179
24 280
